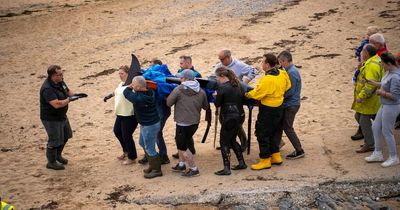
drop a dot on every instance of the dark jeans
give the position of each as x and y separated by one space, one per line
163 112
267 124
123 129
365 122
289 113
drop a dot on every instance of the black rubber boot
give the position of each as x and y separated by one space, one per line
165 160
239 155
155 164
176 155
227 164
358 135
60 158
146 157
51 155
144 160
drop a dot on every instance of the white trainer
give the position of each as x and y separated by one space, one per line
391 161
375 157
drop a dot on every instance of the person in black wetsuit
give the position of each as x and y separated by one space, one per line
229 97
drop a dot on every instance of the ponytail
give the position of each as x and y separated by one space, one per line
225 72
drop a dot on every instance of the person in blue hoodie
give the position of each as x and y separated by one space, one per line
144 101
383 126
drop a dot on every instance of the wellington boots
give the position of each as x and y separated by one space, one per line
276 159
51 155
239 155
227 163
144 160
155 164
224 172
60 158
358 135
264 163
164 159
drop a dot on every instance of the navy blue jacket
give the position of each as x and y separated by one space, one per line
144 103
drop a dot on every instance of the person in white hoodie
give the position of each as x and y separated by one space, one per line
383 126
188 99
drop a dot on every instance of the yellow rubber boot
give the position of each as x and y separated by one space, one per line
262 164
276 159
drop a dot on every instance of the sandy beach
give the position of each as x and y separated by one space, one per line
90 39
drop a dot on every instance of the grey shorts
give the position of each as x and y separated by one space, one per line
58 132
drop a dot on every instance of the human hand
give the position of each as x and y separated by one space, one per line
107 97
246 79
380 92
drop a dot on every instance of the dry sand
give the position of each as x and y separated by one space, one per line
91 38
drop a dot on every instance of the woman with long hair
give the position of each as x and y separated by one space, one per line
229 97
383 126
125 123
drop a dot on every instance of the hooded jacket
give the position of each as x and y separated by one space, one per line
372 69
145 106
188 99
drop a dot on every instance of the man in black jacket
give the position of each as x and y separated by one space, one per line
146 114
54 99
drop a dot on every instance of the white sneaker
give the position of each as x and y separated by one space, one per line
391 161
375 157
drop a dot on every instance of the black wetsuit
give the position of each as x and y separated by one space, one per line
230 98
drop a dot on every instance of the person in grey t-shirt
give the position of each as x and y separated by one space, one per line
383 126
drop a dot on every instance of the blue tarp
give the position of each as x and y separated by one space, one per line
158 74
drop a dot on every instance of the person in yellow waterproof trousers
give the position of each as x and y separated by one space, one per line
270 92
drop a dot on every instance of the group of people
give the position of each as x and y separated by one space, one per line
376 97
278 93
